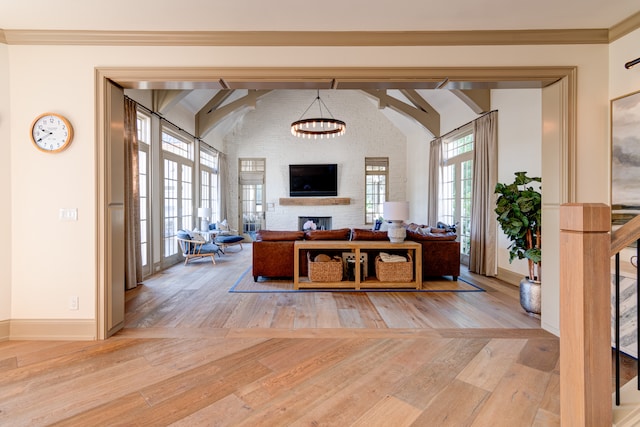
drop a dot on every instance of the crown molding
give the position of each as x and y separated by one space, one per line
305 38
623 28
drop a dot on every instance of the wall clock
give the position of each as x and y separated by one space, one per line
51 132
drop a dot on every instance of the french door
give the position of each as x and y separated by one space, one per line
456 188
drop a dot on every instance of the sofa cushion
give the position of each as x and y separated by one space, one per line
364 234
418 236
338 234
203 249
274 235
228 239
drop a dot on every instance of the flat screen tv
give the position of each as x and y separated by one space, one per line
313 180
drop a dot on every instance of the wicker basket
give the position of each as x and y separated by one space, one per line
327 271
394 271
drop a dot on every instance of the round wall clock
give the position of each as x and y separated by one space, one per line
51 132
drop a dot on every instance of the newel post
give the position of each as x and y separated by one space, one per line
585 315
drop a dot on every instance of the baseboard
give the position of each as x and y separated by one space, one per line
509 276
4 330
53 329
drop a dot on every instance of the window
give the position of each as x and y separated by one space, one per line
251 181
178 189
173 144
144 139
457 184
376 188
209 183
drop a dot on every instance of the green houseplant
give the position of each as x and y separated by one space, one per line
519 210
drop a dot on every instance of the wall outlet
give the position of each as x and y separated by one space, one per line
74 301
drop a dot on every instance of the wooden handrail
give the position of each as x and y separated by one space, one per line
625 235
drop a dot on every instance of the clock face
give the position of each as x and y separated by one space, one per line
51 132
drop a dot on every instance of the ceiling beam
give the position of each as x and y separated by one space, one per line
479 100
215 102
205 122
421 103
429 121
164 100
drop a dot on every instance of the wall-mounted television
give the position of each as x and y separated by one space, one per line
313 180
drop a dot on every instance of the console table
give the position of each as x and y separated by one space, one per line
356 246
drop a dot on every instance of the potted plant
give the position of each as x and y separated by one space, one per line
519 210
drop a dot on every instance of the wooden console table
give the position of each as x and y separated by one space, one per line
356 247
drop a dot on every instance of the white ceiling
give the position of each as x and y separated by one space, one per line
328 15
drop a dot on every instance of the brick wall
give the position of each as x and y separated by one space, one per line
264 132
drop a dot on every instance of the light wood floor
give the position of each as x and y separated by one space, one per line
193 354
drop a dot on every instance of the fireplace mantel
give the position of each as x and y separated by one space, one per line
314 201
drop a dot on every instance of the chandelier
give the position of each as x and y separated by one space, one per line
318 127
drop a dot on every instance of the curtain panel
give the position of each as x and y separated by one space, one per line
483 251
133 255
435 169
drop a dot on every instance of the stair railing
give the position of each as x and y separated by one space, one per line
586 248
622 238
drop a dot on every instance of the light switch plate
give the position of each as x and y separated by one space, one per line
68 214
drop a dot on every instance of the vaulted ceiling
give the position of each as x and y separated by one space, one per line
212 108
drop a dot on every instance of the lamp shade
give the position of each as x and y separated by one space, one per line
396 211
204 213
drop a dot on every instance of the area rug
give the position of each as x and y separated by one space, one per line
245 284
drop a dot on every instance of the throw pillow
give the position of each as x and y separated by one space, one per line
222 226
424 230
198 237
184 234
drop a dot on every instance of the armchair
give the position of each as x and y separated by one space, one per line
193 246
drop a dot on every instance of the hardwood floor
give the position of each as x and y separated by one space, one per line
193 354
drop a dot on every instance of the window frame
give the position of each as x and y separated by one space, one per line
370 165
146 221
210 183
171 255
457 157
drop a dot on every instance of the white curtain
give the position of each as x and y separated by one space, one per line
435 163
482 255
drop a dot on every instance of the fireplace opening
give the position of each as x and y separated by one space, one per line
314 223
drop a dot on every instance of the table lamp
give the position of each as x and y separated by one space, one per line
204 214
396 213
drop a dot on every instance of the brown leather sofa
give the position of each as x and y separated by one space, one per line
440 251
273 250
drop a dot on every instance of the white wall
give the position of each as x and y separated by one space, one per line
418 174
5 188
519 149
69 267
264 133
